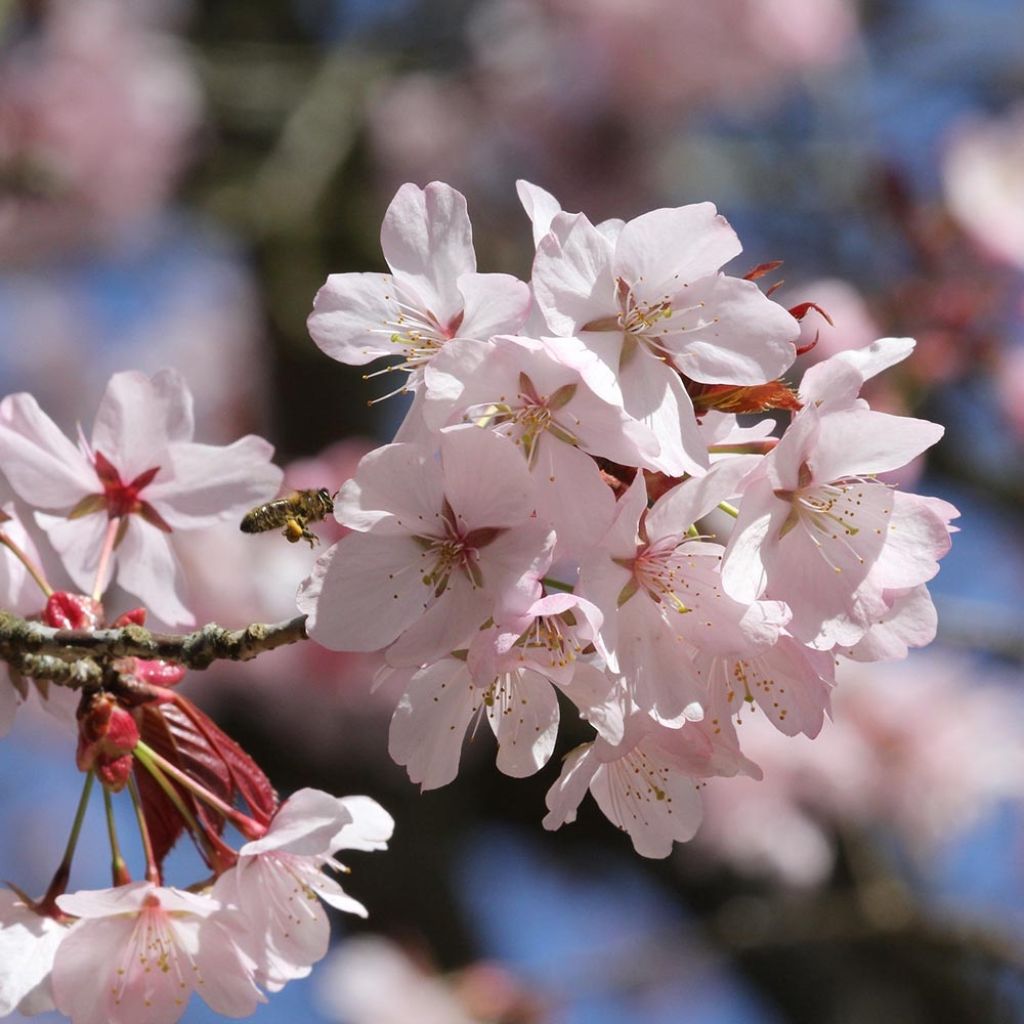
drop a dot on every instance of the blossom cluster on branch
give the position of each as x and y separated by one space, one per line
574 514
586 507
111 507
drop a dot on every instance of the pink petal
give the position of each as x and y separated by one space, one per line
304 824
78 543
663 249
859 442
203 484
566 794
428 242
364 592
354 316
42 465
653 394
540 206
738 336
139 416
656 814
397 490
494 304
486 479
430 722
147 568
370 828
525 722
572 276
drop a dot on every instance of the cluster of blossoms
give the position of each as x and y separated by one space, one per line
573 514
111 507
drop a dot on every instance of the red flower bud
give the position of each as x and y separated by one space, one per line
107 735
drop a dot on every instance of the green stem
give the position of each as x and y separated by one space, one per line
60 877
553 584
118 867
247 826
729 510
30 567
152 868
170 792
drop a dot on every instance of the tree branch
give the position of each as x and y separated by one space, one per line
25 645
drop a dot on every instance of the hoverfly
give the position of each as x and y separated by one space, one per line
294 512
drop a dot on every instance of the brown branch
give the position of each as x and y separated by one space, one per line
21 641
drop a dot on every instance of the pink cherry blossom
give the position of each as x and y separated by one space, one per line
276 879
139 951
983 172
28 943
443 545
650 301
533 392
517 697
100 110
369 980
432 295
661 596
647 785
142 468
818 531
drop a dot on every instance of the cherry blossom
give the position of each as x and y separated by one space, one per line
137 952
277 877
652 301
440 546
432 295
648 784
28 943
661 595
533 392
140 474
818 530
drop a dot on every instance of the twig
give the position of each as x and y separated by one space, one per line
26 644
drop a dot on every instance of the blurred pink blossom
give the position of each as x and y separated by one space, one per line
95 117
923 748
983 172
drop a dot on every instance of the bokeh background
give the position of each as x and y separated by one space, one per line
178 178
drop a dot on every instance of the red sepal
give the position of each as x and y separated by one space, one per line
737 399
135 617
761 269
107 734
72 611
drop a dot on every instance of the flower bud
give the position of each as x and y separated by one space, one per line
107 735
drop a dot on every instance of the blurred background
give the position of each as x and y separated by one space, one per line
176 181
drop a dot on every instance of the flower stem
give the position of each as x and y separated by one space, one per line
30 567
152 868
557 585
60 876
729 510
761 447
247 826
171 793
109 538
118 867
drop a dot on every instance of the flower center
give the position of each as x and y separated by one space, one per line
458 550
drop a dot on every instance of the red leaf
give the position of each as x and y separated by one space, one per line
245 777
163 820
